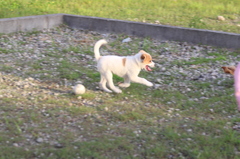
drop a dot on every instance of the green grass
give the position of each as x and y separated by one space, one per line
66 70
213 57
141 122
196 61
195 14
6 68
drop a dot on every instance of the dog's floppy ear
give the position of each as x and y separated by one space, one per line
143 56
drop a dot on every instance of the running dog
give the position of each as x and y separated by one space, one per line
127 67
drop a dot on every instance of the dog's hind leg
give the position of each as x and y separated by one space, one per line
102 84
126 82
110 83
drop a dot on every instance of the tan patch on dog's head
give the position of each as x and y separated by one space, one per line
124 61
145 57
229 69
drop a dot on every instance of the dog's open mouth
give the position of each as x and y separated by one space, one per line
148 68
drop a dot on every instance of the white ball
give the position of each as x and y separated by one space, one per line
79 89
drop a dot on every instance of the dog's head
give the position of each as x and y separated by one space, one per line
229 69
146 60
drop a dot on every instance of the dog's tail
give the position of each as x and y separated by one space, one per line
97 47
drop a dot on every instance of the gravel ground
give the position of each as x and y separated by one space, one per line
41 56
20 50
34 65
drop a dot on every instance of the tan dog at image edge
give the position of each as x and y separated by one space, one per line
127 67
229 69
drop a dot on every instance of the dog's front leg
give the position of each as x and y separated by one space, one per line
140 80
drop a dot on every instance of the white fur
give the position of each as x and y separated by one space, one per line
109 65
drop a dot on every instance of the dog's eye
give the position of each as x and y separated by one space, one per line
150 61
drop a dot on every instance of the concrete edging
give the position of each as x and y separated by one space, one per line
10 25
161 32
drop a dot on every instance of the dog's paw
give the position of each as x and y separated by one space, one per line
107 90
117 90
124 85
149 84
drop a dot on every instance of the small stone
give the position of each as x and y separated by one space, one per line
188 89
221 18
15 144
25 86
39 140
58 145
163 69
48 41
126 40
214 73
195 99
168 73
88 57
156 86
189 139
159 80
30 79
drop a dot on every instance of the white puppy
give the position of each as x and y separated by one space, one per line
127 67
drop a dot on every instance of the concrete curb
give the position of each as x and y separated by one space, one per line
161 32
10 25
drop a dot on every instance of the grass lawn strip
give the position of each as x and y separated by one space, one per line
191 14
